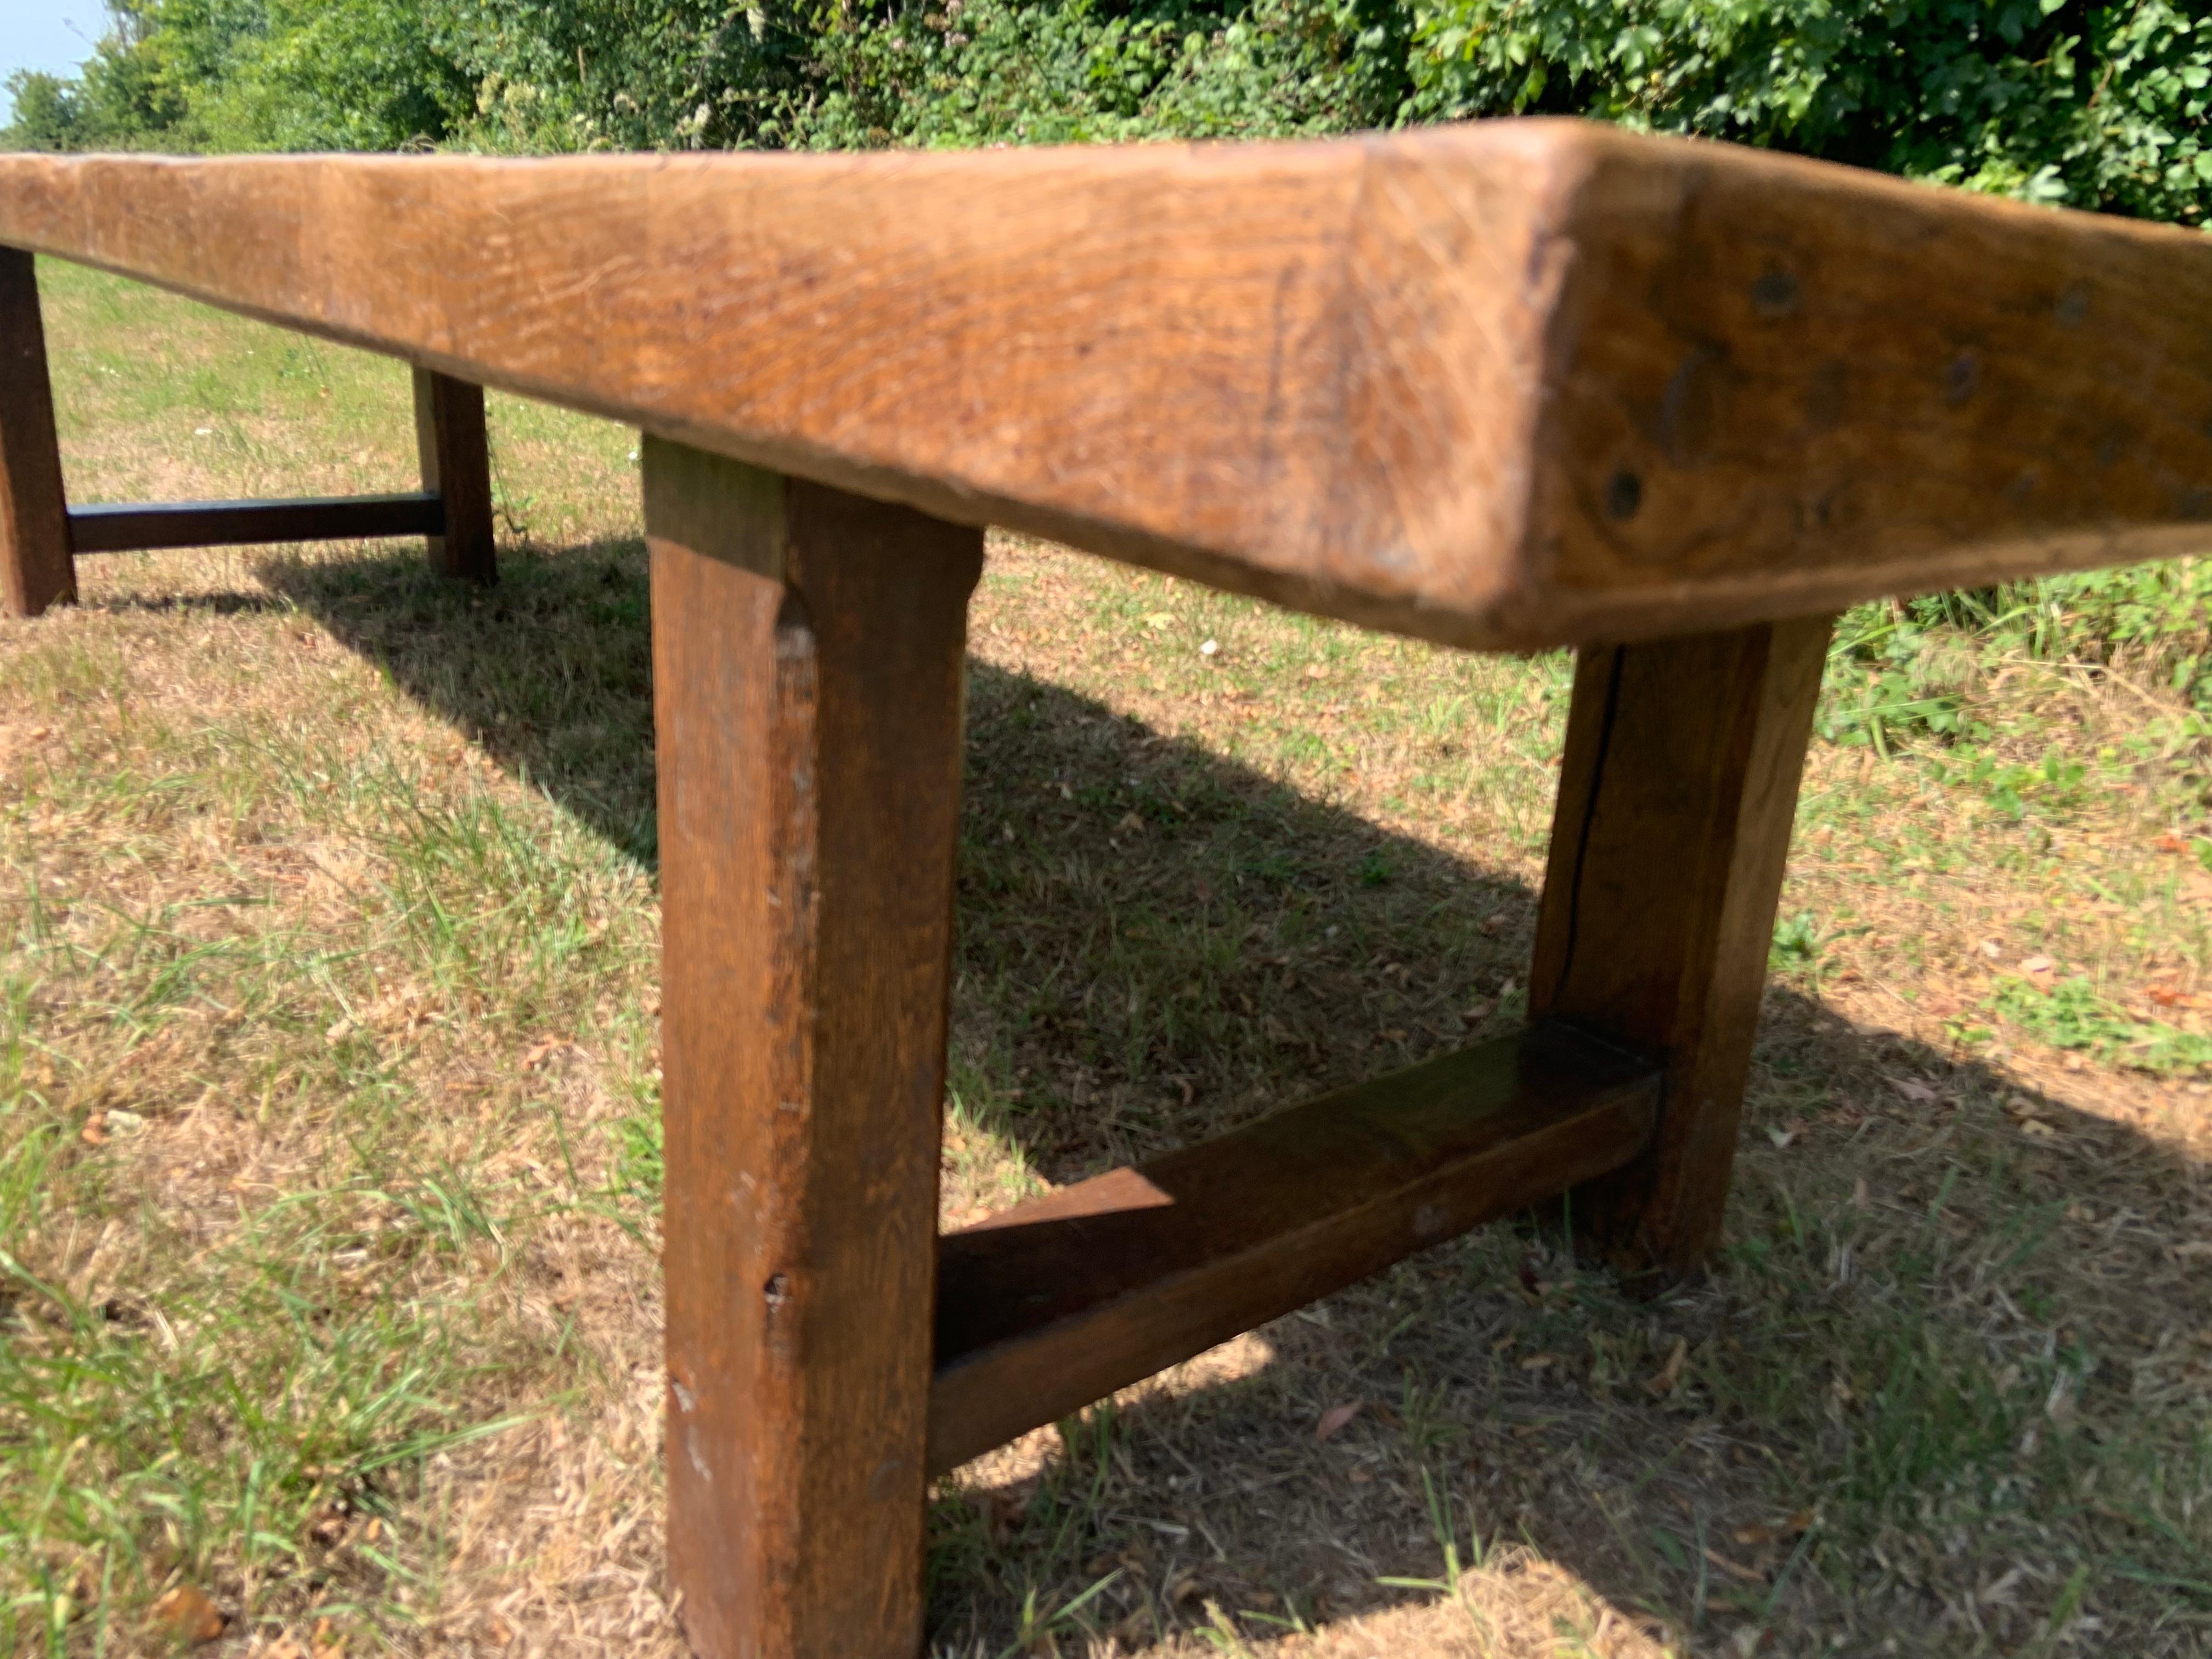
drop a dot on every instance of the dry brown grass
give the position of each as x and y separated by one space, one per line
327 1080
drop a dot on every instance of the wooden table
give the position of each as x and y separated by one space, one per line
1508 385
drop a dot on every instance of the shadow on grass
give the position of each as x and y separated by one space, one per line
1949 1395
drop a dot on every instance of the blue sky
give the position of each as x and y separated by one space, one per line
46 34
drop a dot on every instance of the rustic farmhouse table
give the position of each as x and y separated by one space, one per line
1508 385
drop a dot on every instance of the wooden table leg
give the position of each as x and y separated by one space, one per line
1677 794
808 672
36 569
449 433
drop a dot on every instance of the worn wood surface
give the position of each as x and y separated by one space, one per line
807 665
133 527
1511 383
35 569
1677 792
456 457
1056 1303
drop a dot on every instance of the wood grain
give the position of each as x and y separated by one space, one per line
1056 1303
456 458
134 527
1677 793
35 569
807 673
1510 384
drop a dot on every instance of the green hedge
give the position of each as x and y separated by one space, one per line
2099 105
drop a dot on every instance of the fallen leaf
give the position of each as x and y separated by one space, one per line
94 1132
1131 822
1160 619
2170 842
1913 1090
188 1615
1335 1417
1669 1374
1737 1568
328 1528
2168 996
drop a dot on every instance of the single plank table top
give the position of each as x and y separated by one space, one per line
1508 385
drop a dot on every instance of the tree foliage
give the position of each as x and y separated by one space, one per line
2095 105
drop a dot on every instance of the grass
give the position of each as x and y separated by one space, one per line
329 1156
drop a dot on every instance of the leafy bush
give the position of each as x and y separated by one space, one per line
2098 106
323 75
560 75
